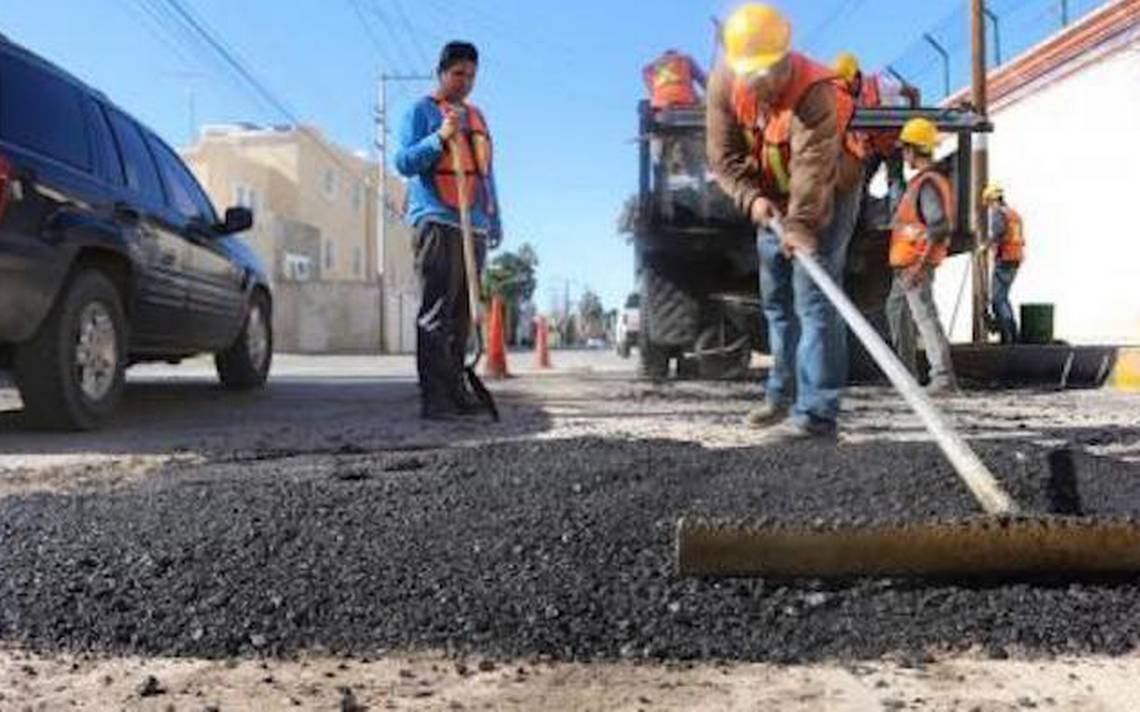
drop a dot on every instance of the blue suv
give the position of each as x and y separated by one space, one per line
111 253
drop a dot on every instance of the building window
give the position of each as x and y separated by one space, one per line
357 261
328 185
330 255
357 196
247 197
298 268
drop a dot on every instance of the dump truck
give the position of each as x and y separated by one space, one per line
695 257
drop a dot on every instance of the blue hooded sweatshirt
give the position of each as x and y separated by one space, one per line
420 150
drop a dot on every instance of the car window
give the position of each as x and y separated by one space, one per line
109 165
138 164
43 113
186 196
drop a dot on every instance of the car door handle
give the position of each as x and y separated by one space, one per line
127 213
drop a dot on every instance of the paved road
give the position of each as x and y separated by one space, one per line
322 417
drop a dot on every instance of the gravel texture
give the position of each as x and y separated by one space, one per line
556 548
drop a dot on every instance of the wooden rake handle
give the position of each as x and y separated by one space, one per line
978 478
469 262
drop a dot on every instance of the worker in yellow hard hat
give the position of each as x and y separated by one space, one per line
1007 240
778 143
872 91
920 240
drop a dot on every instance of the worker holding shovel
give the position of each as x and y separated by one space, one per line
445 152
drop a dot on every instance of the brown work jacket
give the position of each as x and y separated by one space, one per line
819 167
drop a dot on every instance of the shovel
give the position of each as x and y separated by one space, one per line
1003 541
475 340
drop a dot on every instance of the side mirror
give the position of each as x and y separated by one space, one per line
238 219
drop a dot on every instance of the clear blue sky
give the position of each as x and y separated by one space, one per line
559 83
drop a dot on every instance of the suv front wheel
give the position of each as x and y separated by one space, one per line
70 374
245 364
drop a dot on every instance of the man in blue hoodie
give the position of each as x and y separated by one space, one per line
435 129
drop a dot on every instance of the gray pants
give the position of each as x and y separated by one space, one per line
920 300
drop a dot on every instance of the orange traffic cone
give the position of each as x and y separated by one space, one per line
541 345
496 342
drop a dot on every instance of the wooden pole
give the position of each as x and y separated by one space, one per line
981 177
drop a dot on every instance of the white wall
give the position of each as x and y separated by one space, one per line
1068 155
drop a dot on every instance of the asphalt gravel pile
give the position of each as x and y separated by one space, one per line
555 548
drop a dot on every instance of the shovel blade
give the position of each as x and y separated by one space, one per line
970 547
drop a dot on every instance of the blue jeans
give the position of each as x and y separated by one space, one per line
807 336
1004 273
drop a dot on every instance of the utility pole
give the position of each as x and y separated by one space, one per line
981 177
382 151
381 119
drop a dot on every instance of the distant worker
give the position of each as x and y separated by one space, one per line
920 240
778 144
875 91
672 80
434 127
1007 239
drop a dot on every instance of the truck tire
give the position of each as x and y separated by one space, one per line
71 373
245 364
653 359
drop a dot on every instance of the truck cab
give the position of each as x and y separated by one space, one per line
695 258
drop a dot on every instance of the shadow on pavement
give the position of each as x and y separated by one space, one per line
293 413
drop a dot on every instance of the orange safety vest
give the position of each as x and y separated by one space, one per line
671 77
881 143
474 142
1012 248
908 231
768 128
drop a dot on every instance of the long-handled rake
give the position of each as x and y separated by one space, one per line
1004 541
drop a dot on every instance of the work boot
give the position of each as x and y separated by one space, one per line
466 402
943 388
767 415
813 429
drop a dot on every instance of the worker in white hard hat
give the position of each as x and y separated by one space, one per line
779 144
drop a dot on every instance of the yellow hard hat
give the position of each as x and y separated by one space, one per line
847 66
921 133
992 192
756 37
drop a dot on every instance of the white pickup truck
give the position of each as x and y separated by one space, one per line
629 325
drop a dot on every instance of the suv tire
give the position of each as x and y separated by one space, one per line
245 364
71 373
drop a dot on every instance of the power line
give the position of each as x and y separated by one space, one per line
841 9
259 89
381 51
397 41
413 35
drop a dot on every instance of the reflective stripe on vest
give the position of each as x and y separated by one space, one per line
474 142
1012 248
768 129
909 235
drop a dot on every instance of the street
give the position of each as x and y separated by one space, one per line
317 544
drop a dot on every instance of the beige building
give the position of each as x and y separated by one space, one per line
314 208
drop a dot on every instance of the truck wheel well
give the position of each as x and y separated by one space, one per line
113 265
